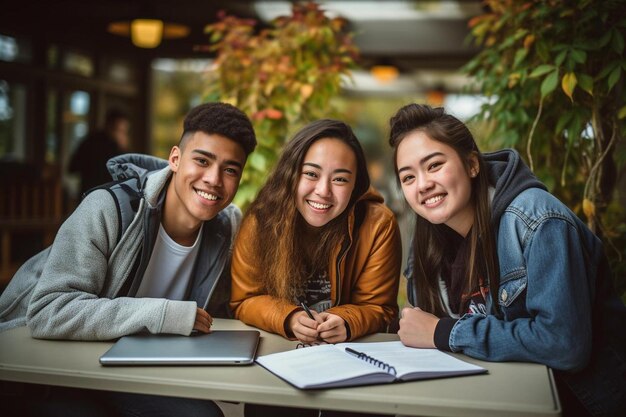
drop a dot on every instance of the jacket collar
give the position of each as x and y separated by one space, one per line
155 183
370 195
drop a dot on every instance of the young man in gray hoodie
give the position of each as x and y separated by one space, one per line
166 269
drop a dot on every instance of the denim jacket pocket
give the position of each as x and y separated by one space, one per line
510 294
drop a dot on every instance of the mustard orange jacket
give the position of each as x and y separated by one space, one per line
363 272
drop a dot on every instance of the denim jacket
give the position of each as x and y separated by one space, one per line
556 305
548 263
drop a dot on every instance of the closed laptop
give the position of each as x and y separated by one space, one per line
220 347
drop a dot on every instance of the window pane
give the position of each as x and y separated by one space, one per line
75 126
76 123
52 138
120 71
78 63
15 49
12 121
177 86
53 56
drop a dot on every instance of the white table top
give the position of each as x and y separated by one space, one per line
511 389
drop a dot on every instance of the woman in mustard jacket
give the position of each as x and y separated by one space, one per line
318 235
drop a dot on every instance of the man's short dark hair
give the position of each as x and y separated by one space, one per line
222 119
113 115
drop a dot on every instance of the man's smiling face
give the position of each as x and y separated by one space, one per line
206 176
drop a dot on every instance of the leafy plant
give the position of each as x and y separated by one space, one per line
283 77
555 71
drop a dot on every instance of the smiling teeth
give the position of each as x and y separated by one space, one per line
206 196
318 205
434 199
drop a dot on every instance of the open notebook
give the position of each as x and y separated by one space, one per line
328 366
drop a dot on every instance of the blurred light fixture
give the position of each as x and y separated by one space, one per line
384 74
148 33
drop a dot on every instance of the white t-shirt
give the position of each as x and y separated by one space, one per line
169 269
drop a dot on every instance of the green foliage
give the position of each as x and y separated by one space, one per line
283 77
556 72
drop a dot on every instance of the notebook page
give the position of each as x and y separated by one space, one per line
316 365
407 360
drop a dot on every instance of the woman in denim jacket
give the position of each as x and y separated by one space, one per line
500 269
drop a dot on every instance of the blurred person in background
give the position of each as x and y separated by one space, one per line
90 158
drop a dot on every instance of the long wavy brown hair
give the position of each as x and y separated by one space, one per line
431 240
280 250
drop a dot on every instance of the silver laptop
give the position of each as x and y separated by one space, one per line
220 347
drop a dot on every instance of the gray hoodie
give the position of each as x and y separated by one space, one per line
79 287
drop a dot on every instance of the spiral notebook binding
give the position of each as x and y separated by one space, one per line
370 359
383 365
360 355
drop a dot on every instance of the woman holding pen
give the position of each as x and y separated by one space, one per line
317 235
318 254
500 269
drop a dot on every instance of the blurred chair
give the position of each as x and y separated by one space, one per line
31 202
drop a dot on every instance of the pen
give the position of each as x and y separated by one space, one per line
354 352
306 309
